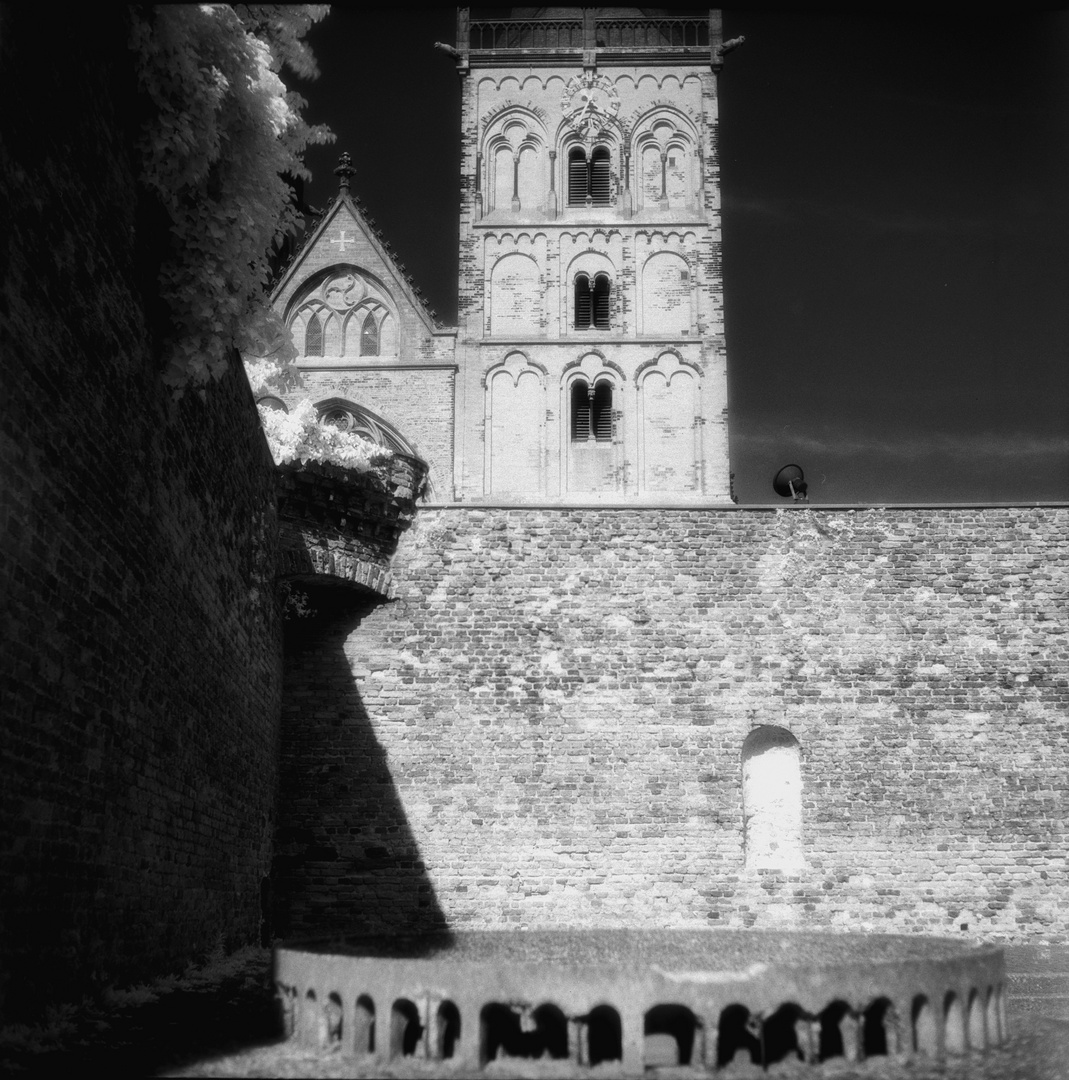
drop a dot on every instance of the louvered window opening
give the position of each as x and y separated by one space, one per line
589 181
600 302
591 416
601 422
583 303
600 186
369 337
313 337
592 302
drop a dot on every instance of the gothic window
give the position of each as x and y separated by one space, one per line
589 181
313 337
369 337
591 410
592 302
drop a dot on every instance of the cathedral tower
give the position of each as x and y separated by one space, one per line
591 339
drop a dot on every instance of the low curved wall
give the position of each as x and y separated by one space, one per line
601 997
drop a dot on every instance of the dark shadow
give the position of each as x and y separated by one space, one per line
831 1030
511 1032
676 1022
738 1037
345 861
604 1035
147 1035
878 1032
448 1029
781 1035
405 1028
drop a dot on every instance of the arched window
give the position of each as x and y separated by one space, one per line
583 302
600 187
589 182
591 411
313 337
369 336
602 286
592 302
577 177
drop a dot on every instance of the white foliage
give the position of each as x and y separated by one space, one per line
223 129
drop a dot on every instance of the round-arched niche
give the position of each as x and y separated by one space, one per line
772 799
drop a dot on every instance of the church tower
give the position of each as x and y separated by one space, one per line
590 348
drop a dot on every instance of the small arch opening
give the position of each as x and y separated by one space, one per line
787 1035
975 1021
994 1029
738 1039
406 1030
954 1025
669 1034
839 1032
517 1031
448 1029
287 1007
308 1024
333 1020
925 1034
604 1035
879 1031
364 1026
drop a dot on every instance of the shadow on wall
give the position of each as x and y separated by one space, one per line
345 859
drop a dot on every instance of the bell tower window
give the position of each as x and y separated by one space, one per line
591 409
592 302
589 181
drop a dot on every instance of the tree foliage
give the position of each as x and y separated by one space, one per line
222 132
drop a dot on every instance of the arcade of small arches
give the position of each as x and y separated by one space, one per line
430 1027
658 164
663 301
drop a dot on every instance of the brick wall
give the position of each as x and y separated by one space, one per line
141 648
554 712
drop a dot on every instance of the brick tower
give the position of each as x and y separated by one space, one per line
590 349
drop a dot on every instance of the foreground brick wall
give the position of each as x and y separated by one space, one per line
556 705
141 655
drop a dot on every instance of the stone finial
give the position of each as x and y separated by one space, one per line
344 171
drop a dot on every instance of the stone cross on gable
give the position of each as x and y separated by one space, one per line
340 241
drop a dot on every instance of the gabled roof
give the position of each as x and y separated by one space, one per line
345 203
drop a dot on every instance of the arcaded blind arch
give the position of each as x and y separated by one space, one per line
772 799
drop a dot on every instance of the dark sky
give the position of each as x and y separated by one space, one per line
896 234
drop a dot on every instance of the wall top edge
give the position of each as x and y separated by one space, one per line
735 508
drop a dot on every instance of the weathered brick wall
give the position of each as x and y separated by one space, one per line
554 709
141 649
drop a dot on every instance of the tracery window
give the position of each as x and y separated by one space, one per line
343 313
589 180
